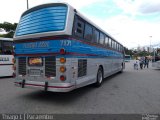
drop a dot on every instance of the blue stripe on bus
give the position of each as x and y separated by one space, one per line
43 20
55 45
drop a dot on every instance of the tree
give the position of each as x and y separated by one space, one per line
143 53
128 52
9 28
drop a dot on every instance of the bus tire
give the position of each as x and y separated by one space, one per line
122 67
99 77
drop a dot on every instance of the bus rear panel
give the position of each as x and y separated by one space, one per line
38 59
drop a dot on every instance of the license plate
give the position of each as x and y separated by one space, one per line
34 72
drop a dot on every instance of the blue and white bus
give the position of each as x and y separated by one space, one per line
58 49
127 58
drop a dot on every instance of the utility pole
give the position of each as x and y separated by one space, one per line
150 43
27 5
154 55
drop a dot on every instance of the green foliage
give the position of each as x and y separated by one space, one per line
3 35
9 28
136 54
128 52
143 53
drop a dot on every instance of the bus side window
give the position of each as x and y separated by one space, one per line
88 32
102 37
107 41
118 46
96 36
0 47
115 45
110 42
79 27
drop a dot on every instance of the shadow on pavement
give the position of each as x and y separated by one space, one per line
6 77
55 97
156 69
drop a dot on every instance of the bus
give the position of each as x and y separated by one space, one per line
127 58
6 57
156 58
58 49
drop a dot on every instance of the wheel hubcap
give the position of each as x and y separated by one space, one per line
100 77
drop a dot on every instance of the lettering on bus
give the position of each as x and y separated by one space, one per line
66 43
4 59
36 45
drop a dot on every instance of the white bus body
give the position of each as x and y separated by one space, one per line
156 64
6 57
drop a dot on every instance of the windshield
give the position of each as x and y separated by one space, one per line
6 47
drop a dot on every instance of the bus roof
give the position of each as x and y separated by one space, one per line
42 6
92 23
6 39
59 3
77 12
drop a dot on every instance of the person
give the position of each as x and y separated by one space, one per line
146 62
141 62
136 65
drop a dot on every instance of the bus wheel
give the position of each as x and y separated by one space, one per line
122 66
99 77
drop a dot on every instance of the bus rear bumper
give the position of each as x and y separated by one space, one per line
46 86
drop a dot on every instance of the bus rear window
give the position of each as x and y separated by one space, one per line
46 19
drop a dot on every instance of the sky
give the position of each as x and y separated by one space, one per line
131 22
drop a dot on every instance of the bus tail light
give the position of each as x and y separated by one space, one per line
62 60
62 51
62 78
62 69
